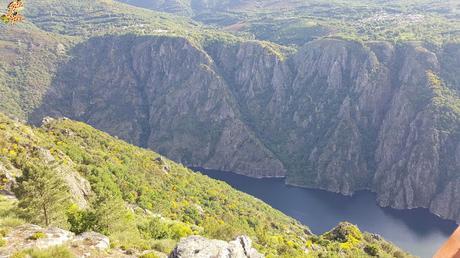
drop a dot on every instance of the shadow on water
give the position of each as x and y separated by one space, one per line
415 219
417 231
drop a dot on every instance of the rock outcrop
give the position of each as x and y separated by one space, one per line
160 78
337 115
8 180
28 236
32 236
92 239
200 247
92 244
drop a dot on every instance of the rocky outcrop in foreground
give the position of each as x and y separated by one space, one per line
92 244
200 247
30 236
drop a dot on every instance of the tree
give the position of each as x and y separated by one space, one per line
110 214
43 195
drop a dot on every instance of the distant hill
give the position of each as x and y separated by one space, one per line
297 22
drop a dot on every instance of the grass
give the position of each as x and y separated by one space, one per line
8 215
53 252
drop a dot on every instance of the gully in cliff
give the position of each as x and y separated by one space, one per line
12 13
451 249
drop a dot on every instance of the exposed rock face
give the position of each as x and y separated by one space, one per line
147 81
200 247
337 115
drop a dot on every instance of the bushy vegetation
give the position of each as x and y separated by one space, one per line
140 205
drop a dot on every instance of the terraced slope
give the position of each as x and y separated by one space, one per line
297 22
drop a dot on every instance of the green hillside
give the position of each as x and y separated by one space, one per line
144 202
296 22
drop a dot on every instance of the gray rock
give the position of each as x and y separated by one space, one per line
200 247
91 240
22 238
163 164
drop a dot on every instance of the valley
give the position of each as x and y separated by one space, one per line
328 116
341 96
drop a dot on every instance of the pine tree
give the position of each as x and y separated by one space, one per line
43 195
111 215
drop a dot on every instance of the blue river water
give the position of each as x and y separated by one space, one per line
416 231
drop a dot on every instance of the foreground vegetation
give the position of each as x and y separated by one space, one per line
145 202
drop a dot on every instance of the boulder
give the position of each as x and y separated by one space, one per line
200 247
164 165
32 236
92 240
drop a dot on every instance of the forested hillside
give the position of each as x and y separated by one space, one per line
70 175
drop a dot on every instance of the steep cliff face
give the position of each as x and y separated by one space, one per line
163 93
337 115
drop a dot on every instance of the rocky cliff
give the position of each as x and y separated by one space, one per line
145 82
336 115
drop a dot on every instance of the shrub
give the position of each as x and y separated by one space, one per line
59 251
179 230
18 255
2 242
37 235
164 246
80 220
371 250
155 229
53 252
399 254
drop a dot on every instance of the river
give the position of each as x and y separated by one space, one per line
416 231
